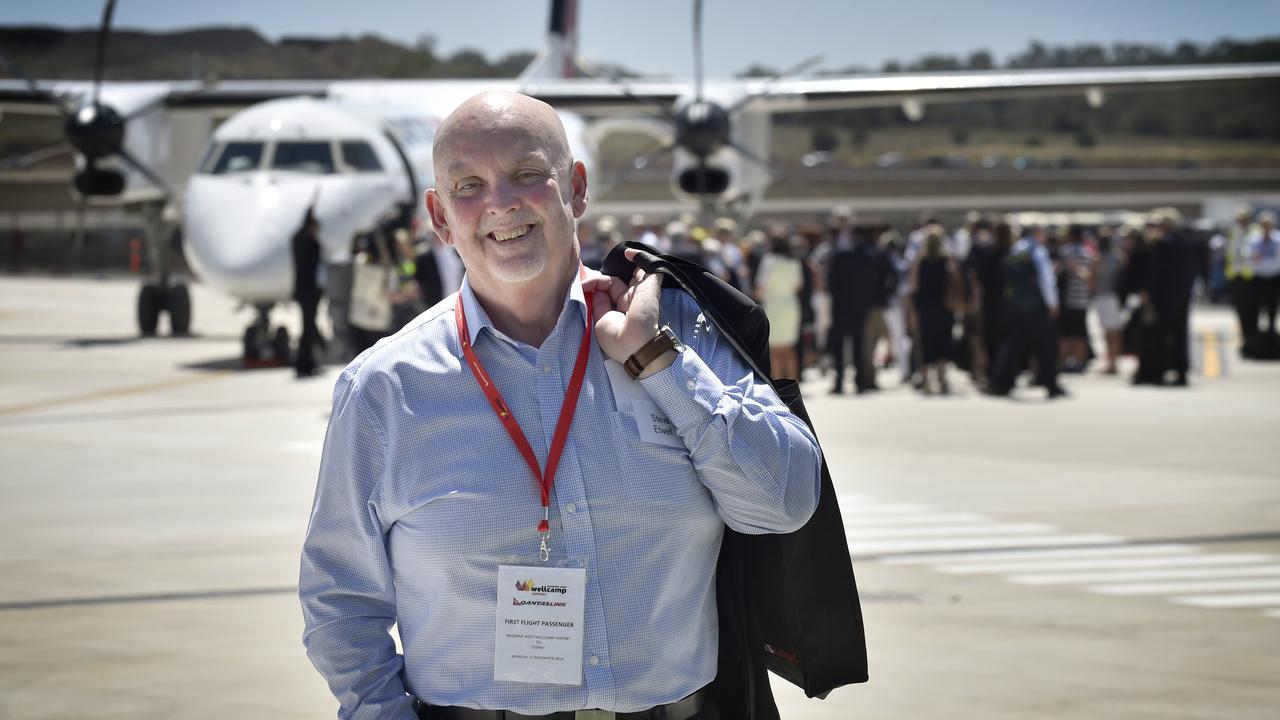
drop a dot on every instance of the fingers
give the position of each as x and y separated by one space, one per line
601 303
612 287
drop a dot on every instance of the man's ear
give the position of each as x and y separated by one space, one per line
435 211
579 183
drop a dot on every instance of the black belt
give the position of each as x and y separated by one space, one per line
684 709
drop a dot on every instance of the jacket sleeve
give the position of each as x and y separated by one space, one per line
760 462
346 588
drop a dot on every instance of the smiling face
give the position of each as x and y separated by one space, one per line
507 193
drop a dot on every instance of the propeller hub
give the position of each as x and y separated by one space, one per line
96 130
702 127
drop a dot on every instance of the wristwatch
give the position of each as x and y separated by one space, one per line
665 340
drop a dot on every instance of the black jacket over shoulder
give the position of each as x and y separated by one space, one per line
787 603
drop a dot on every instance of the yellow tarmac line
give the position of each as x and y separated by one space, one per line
1212 357
112 392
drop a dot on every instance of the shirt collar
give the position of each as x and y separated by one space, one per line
478 319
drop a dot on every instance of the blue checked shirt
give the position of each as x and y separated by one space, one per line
422 494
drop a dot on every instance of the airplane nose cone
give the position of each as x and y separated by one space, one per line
238 232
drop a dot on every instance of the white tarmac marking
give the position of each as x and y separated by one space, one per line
946 530
1250 600
1122 576
1095 564
936 519
886 547
1004 555
1182 587
1183 574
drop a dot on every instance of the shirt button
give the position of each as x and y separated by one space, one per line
546 369
691 385
571 508
595 660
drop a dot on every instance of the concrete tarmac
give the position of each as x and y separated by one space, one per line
1113 555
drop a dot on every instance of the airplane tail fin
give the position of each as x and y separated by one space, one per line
558 59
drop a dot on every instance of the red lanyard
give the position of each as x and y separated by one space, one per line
548 478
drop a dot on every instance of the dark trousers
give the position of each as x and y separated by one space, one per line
1267 290
852 327
1164 343
1245 298
1025 331
305 361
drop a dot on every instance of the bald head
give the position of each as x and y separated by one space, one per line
497 113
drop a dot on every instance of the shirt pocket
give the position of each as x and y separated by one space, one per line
653 473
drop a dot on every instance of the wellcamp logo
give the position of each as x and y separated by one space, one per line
530 586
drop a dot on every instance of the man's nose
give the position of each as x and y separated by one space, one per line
503 199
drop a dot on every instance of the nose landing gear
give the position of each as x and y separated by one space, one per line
262 346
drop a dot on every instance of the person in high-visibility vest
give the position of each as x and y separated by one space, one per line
1238 269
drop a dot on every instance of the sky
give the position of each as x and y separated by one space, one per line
654 37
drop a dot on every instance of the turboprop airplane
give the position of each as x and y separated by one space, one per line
356 140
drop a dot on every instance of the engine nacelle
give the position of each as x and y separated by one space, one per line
717 180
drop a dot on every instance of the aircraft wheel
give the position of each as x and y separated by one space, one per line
149 301
280 346
250 343
179 307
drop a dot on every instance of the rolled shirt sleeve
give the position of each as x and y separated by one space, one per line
760 462
345 585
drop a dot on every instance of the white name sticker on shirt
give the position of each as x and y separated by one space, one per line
654 426
538 637
652 423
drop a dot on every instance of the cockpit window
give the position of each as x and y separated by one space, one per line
359 156
238 157
306 157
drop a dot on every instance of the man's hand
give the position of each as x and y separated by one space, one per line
627 314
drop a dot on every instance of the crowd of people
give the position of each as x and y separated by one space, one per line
991 298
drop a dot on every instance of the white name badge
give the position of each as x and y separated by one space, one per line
652 423
538 636
654 426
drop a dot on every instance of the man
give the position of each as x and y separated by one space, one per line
1077 260
306 291
1029 310
1166 296
857 282
1238 271
426 498
1264 256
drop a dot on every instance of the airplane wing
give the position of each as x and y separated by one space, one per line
130 98
605 97
887 90
825 93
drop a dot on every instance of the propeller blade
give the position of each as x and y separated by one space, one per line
147 172
797 69
34 86
697 49
100 63
747 153
168 98
61 147
666 114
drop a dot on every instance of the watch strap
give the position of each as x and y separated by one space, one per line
662 342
